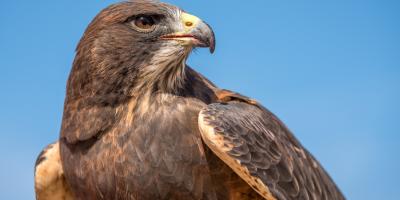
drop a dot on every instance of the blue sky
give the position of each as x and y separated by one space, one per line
329 69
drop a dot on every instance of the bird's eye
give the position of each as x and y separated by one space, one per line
144 23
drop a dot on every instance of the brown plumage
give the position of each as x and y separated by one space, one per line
140 124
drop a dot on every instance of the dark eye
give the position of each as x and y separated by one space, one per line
145 23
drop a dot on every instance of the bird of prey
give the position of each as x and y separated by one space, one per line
139 124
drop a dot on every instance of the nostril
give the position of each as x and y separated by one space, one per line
189 24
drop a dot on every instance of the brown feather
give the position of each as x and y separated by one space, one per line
259 148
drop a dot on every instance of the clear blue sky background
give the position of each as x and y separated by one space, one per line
329 69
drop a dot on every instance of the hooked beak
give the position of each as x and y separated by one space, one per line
196 33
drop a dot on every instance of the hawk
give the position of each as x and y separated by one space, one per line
139 124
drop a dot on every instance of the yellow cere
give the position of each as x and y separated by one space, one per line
189 21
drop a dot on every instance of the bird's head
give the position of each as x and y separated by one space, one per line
136 43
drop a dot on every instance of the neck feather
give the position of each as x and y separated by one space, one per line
162 74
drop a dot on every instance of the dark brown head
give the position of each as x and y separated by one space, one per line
135 44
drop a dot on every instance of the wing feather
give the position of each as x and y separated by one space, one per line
263 152
49 176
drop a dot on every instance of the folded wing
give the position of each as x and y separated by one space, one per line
263 152
49 176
